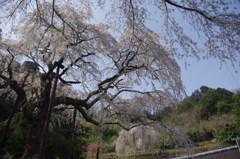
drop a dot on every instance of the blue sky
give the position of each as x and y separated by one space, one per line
209 73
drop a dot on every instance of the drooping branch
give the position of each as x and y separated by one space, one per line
98 98
70 101
133 16
16 8
53 10
86 116
9 68
63 20
68 82
214 19
74 62
95 122
111 79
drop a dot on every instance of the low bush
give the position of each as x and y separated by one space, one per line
199 135
165 142
227 133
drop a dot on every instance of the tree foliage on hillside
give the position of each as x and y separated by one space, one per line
212 114
218 101
237 109
211 101
193 100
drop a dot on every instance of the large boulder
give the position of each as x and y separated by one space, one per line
138 139
144 138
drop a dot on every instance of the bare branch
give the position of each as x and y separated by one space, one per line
133 16
16 8
10 63
70 101
53 10
202 13
74 63
68 82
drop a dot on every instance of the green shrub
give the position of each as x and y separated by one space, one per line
110 133
211 98
199 135
58 143
236 98
165 142
224 108
225 135
17 135
56 146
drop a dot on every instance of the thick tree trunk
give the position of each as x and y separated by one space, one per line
39 129
44 134
37 122
33 139
34 136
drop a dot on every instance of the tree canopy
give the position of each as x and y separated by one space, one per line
60 44
215 23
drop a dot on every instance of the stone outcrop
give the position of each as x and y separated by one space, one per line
138 139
